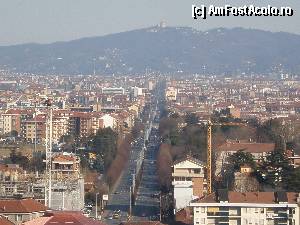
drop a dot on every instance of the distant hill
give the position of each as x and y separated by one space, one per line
168 49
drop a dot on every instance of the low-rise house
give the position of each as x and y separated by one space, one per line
63 217
19 211
258 150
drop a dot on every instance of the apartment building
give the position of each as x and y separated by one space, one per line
188 181
35 129
171 94
65 165
11 121
59 127
67 182
256 208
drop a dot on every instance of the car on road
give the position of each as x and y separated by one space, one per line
110 217
116 216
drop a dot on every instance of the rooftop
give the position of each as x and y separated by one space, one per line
63 217
21 206
250 197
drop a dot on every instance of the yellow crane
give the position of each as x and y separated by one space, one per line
209 150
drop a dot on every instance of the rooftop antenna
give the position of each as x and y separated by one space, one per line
94 59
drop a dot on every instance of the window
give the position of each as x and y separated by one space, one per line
202 209
202 220
262 210
197 171
18 217
261 222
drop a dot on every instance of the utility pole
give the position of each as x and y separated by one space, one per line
130 201
96 214
160 206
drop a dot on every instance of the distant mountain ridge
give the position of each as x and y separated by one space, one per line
166 50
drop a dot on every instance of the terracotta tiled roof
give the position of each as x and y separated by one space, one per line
249 197
4 221
183 216
247 147
65 217
6 167
21 206
63 158
142 223
38 221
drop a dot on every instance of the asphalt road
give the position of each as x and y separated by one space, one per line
119 200
147 201
147 205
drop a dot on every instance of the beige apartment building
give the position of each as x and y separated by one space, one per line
188 181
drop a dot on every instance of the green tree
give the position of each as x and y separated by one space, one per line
191 119
104 144
240 158
293 180
280 145
276 169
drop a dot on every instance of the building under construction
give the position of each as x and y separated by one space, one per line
67 184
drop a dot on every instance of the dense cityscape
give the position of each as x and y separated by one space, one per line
149 149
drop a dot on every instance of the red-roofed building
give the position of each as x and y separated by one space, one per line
258 150
63 217
4 221
142 223
19 211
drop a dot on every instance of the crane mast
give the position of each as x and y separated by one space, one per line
48 143
209 149
209 173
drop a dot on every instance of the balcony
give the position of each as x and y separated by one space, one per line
182 183
186 174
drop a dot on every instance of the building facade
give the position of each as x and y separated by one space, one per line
188 181
256 208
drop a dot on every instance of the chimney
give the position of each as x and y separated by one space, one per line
298 198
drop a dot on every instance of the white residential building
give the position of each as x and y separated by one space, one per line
256 208
107 121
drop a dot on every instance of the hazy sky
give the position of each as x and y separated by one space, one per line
46 21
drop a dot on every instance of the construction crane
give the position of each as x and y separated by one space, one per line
209 149
48 143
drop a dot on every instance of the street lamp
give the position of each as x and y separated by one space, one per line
96 206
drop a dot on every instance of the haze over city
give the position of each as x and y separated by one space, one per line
132 112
